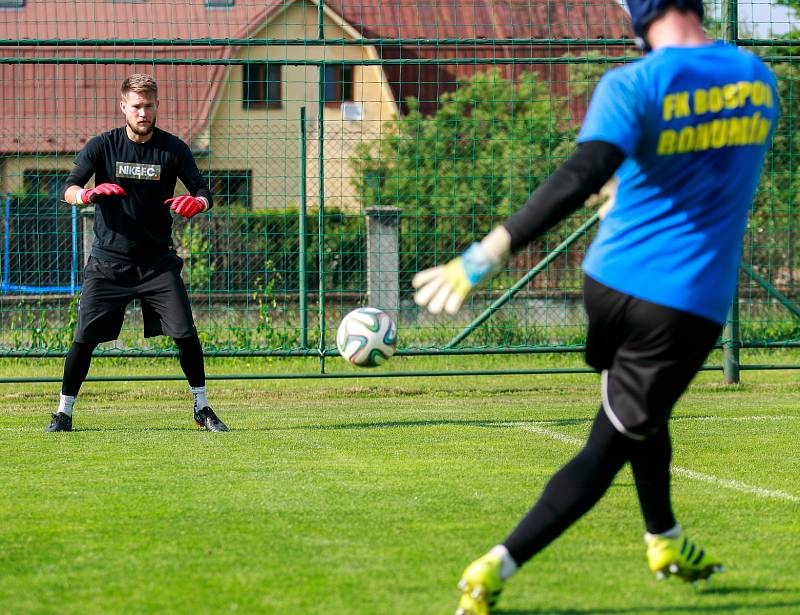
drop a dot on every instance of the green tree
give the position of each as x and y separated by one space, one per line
194 248
489 144
776 217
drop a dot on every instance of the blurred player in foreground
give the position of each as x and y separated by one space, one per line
685 129
135 168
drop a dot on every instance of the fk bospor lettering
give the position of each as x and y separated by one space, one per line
739 130
713 100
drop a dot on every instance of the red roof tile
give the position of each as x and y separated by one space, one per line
106 19
485 18
490 19
57 107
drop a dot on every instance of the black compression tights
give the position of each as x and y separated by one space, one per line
76 367
190 354
79 358
580 484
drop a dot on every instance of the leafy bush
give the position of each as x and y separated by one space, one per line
245 250
469 165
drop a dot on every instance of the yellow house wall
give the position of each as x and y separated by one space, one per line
267 141
13 169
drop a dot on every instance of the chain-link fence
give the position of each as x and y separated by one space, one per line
433 119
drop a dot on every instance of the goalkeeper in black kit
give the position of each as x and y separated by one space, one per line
136 168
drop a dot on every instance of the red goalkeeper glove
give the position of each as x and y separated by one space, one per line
186 205
88 196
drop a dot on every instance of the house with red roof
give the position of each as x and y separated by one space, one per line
238 103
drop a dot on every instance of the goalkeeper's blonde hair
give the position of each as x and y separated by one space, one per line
140 83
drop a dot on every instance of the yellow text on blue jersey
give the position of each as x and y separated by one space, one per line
751 129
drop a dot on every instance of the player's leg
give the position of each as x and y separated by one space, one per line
663 351
190 357
190 354
576 487
644 371
166 311
76 368
569 494
101 312
651 474
668 550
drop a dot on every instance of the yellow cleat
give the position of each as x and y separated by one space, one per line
480 586
680 557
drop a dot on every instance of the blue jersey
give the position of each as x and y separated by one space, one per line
695 124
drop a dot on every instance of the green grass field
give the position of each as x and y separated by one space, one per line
369 496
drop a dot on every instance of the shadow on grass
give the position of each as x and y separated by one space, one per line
718 608
335 426
495 424
794 606
136 429
727 591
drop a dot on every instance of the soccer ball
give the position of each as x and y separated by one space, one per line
366 337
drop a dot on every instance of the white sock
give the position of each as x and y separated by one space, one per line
507 564
200 399
672 532
65 403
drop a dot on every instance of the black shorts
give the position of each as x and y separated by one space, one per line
647 355
108 288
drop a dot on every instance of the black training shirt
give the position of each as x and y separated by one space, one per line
136 228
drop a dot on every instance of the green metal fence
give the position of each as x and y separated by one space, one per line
334 133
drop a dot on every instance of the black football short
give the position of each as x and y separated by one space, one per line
646 353
108 288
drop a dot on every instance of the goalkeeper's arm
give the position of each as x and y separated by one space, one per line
445 288
566 190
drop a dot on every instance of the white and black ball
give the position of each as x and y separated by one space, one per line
366 337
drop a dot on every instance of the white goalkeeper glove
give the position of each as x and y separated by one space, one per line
446 287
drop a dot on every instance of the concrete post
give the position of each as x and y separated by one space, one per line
731 343
383 259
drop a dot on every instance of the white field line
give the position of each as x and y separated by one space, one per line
734 485
764 417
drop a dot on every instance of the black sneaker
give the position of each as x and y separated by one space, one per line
205 417
60 422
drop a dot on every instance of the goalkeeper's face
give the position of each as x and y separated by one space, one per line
140 112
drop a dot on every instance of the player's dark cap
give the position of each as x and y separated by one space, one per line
645 11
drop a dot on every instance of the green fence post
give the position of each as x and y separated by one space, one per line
730 354
731 343
730 27
321 213
301 231
7 242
